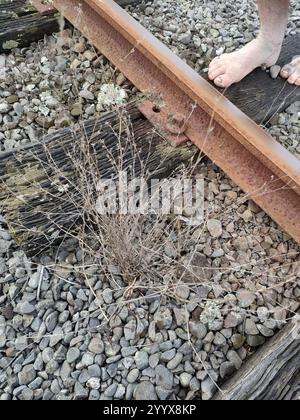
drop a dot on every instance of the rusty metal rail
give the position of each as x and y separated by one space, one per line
265 170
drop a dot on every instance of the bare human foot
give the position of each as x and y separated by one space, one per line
291 71
232 68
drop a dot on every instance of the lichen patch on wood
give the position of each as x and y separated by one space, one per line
9 45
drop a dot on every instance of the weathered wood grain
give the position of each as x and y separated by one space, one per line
10 10
44 186
20 24
272 373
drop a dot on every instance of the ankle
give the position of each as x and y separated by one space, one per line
273 44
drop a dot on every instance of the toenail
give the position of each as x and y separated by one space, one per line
219 80
286 71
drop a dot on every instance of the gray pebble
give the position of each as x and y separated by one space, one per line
94 395
250 327
238 341
180 316
94 371
163 394
26 394
27 375
120 392
87 359
93 383
234 358
73 355
255 340
233 320
47 354
96 345
25 308
215 228
34 280
164 377
154 360
208 388
86 94
111 390
133 375
163 318
141 359
266 332
219 339
245 298
198 329
130 330
80 393
51 321
107 296
227 369
185 379
21 343
274 71
168 355
4 108
173 363
145 391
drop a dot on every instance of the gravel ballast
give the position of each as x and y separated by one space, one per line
72 328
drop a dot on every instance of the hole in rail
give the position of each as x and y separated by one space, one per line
156 109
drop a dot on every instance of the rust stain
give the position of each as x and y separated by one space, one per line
172 129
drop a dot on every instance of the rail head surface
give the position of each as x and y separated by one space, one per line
267 172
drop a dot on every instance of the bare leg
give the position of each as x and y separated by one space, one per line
264 50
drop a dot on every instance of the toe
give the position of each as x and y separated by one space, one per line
294 77
223 81
214 66
216 73
216 60
297 83
286 71
291 71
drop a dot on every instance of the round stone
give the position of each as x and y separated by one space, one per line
185 379
73 355
145 391
214 227
96 345
27 375
245 298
